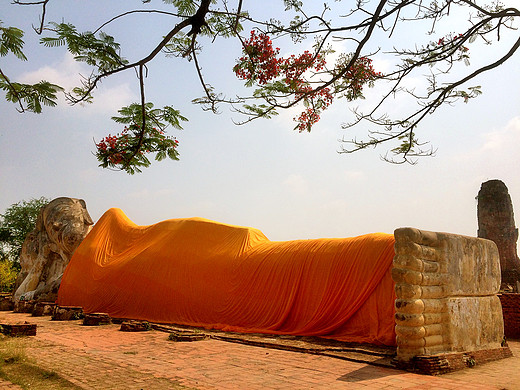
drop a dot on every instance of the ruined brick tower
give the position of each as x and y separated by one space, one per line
496 222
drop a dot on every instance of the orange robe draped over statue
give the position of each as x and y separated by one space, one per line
202 273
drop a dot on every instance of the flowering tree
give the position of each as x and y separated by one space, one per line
335 58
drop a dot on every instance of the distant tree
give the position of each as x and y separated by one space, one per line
440 34
15 223
8 275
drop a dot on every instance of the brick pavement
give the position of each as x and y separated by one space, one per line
105 358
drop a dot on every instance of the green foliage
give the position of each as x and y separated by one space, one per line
184 7
280 83
179 46
11 41
32 96
225 25
15 223
127 151
102 52
8 274
262 110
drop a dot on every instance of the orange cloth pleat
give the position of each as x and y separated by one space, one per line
202 273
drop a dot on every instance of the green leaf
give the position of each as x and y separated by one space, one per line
184 7
11 41
33 96
101 52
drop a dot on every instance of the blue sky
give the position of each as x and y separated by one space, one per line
264 174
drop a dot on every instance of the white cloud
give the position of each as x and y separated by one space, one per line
68 74
64 73
90 175
296 184
505 140
146 194
353 175
498 148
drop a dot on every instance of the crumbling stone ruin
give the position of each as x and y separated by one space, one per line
496 222
46 251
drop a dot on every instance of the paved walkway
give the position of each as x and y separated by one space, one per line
104 358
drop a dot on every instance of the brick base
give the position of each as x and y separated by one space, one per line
135 326
24 306
43 309
448 362
187 336
67 313
15 330
511 310
94 319
6 302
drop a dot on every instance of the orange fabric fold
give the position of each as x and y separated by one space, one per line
202 273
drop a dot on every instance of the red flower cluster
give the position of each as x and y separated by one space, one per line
450 39
260 65
359 74
113 148
116 149
294 67
442 40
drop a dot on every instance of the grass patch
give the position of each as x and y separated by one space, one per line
18 368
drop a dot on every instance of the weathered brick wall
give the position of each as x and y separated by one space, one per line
511 311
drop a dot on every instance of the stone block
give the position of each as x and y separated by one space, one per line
179 336
95 319
135 326
475 323
67 313
24 306
43 309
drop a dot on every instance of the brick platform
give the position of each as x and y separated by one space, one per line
449 362
94 357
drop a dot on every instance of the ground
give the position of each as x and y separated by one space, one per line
102 357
